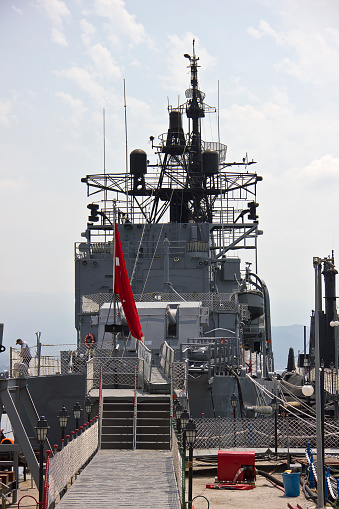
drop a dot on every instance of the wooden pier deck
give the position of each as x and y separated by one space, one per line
137 479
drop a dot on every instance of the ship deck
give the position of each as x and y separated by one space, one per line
120 478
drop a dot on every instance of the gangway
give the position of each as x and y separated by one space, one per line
125 478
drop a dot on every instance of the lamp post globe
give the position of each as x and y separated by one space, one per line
178 412
234 401
191 433
307 390
184 419
63 420
77 413
41 429
88 408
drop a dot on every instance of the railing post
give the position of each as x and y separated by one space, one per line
46 483
183 479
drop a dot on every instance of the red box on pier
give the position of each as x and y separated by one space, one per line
236 466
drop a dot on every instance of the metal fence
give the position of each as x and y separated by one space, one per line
179 466
215 302
179 369
49 360
227 432
116 372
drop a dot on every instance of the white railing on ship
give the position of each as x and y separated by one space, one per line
145 354
166 357
70 460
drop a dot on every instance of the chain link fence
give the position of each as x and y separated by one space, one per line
227 432
179 471
70 460
49 360
116 372
215 302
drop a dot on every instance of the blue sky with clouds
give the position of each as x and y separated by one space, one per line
63 62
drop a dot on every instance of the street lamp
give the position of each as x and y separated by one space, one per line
275 407
63 419
77 413
41 432
178 412
234 402
88 408
191 433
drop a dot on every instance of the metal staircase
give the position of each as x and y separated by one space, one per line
117 423
148 429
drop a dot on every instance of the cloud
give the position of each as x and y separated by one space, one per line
57 12
87 31
310 31
5 112
15 184
86 81
16 9
320 174
122 23
59 37
104 62
76 105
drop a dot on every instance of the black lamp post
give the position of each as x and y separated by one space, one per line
191 433
306 368
88 408
41 432
275 407
234 402
185 417
63 419
77 413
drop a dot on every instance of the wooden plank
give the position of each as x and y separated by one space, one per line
119 478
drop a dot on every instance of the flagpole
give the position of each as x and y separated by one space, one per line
114 262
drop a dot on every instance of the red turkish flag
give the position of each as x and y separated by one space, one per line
123 288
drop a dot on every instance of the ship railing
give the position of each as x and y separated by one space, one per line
91 303
259 432
166 358
331 379
49 360
116 371
70 460
179 464
145 354
179 368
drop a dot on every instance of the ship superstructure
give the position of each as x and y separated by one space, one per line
183 221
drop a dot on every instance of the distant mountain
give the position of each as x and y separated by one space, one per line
283 338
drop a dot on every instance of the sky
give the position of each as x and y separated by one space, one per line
63 62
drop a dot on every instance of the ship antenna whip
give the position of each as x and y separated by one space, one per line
126 148
220 183
104 144
218 114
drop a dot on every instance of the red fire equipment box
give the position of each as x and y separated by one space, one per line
236 466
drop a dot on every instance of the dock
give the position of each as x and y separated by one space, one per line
123 478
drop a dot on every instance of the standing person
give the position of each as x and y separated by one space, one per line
25 352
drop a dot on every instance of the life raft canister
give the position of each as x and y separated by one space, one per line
89 340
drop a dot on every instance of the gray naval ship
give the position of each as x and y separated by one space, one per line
184 221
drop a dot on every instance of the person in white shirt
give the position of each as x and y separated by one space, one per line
25 352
